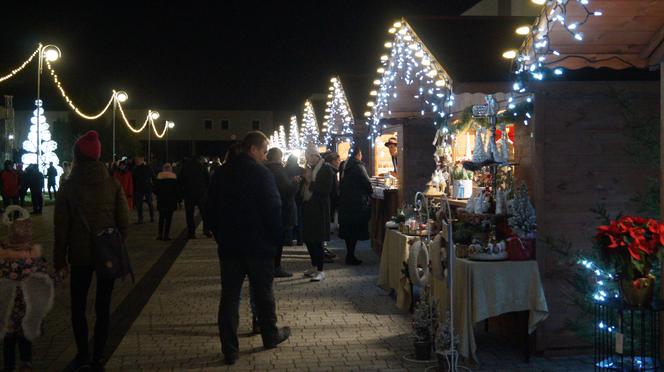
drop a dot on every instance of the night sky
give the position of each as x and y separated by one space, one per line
189 55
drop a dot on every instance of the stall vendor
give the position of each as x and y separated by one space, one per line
391 144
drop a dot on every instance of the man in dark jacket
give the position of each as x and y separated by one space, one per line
51 175
35 181
244 212
287 188
143 177
194 179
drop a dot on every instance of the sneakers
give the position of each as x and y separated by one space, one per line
282 335
319 276
328 254
310 272
280 273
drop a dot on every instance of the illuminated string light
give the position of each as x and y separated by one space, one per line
294 142
339 119
22 66
309 132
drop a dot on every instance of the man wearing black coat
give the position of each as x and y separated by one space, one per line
142 176
194 179
244 213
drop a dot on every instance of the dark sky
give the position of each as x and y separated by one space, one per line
194 55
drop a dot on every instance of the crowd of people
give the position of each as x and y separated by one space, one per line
251 203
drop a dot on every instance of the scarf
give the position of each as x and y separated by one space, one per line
306 193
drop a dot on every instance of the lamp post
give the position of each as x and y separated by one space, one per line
50 53
170 125
153 115
120 96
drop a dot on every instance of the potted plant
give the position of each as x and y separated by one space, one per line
444 343
424 318
632 245
462 183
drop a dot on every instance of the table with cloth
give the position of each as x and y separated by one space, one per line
482 289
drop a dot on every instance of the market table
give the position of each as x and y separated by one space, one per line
395 252
486 289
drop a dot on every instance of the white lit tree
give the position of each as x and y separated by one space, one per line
282 137
309 132
338 117
47 146
294 135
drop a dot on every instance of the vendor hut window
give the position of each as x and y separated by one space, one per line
208 124
255 124
224 124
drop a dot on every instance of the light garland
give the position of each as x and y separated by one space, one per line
309 133
337 110
411 62
294 135
22 66
601 292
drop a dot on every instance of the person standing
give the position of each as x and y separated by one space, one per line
92 194
35 182
287 188
10 184
66 171
142 177
318 184
167 191
354 204
51 175
295 172
123 175
194 179
244 212
334 160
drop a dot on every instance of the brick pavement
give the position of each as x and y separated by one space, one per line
344 323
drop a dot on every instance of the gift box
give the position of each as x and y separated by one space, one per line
521 249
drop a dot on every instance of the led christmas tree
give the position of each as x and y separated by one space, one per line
309 127
282 137
338 117
47 146
294 135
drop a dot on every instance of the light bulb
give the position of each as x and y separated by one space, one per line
51 53
523 30
509 54
154 115
121 96
539 2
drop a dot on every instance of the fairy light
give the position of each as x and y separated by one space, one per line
409 62
339 119
294 135
20 68
309 133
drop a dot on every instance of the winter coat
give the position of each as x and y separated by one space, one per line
51 174
193 180
142 177
26 291
34 179
354 202
243 209
103 202
316 211
10 183
287 190
295 171
167 191
127 183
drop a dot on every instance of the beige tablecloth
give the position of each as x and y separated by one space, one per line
395 252
487 289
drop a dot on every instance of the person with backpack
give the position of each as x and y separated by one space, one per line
88 202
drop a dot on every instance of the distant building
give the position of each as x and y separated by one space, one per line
7 130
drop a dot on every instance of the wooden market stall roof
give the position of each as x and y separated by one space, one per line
629 33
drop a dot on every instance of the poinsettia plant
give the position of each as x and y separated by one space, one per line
632 244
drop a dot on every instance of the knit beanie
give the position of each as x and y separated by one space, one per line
88 147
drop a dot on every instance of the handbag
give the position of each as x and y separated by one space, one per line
111 259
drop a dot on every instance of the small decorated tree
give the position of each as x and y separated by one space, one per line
294 135
523 221
444 336
309 133
479 154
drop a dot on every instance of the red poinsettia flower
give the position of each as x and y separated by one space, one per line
653 226
638 220
634 249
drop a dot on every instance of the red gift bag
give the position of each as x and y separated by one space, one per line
521 249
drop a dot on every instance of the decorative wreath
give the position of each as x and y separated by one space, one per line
416 250
11 211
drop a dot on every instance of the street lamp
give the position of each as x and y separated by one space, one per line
50 53
121 97
170 126
153 115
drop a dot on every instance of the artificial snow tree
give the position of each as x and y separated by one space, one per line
479 154
523 220
309 132
294 135
46 146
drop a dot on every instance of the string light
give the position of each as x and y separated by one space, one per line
309 133
294 142
22 66
339 118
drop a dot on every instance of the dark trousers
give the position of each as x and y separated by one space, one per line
139 198
299 228
81 277
37 200
280 248
51 185
7 201
165 218
316 253
261 276
189 207
9 350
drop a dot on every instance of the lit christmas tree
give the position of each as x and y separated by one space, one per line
294 135
309 127
338 117
282 137
47 146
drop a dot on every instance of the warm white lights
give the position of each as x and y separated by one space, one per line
338 119
523 30
22 66
539 2
170 124
121 96
154 115
509 54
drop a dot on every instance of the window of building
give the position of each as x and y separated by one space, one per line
208 124
224 124
255 124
